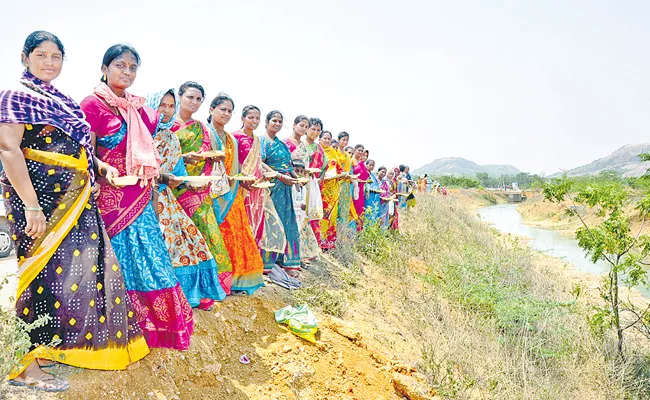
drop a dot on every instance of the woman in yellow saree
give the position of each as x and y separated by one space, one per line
67 269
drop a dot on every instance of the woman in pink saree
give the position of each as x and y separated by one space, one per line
359 169
265 223
122 127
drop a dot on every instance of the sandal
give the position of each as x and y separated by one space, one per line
45 383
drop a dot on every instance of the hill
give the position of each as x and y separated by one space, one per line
624 161
462 167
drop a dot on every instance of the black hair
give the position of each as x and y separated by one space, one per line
116 51
220 99
402 168
382 168
316 121
370 161
272 114
191 84
359 146
343 134
366 151
36 38
248 108
298 164
324 132
300 118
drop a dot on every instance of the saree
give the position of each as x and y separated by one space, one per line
265 223
161 308
347 212
71 273
385 217
325 229
372 200
193 263
276 155
359 168
247 265
198 204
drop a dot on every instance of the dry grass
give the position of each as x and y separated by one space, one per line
481 315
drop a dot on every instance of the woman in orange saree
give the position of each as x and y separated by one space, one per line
247 265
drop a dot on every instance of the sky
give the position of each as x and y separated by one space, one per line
543 85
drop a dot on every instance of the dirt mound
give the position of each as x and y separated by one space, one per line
282 366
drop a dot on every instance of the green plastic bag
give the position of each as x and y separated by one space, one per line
301 321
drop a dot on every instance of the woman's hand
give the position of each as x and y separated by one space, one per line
96 191
110 172
218 158
35 226
198 187
193 158
247 185
286 179
172 180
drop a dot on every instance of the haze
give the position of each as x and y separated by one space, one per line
541 85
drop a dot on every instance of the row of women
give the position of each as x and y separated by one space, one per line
116 268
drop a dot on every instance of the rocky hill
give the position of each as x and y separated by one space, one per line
624 160
462 167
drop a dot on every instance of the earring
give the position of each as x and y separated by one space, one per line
104 78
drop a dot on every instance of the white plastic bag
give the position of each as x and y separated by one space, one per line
314 206
391 208
221 186
355 193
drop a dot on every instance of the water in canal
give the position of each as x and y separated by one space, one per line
505 218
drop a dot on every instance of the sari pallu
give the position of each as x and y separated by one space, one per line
198 204
71 273
265 223
360 169
193 263
247 265
161 308
277 156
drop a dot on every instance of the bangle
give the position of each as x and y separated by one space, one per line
39 208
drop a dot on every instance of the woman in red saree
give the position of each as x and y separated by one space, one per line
247 265
123 127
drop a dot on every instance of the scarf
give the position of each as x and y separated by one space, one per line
153 100
37 102
142 159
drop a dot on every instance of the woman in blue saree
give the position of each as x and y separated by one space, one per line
277 157
372 195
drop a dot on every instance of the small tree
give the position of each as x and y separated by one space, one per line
611 241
